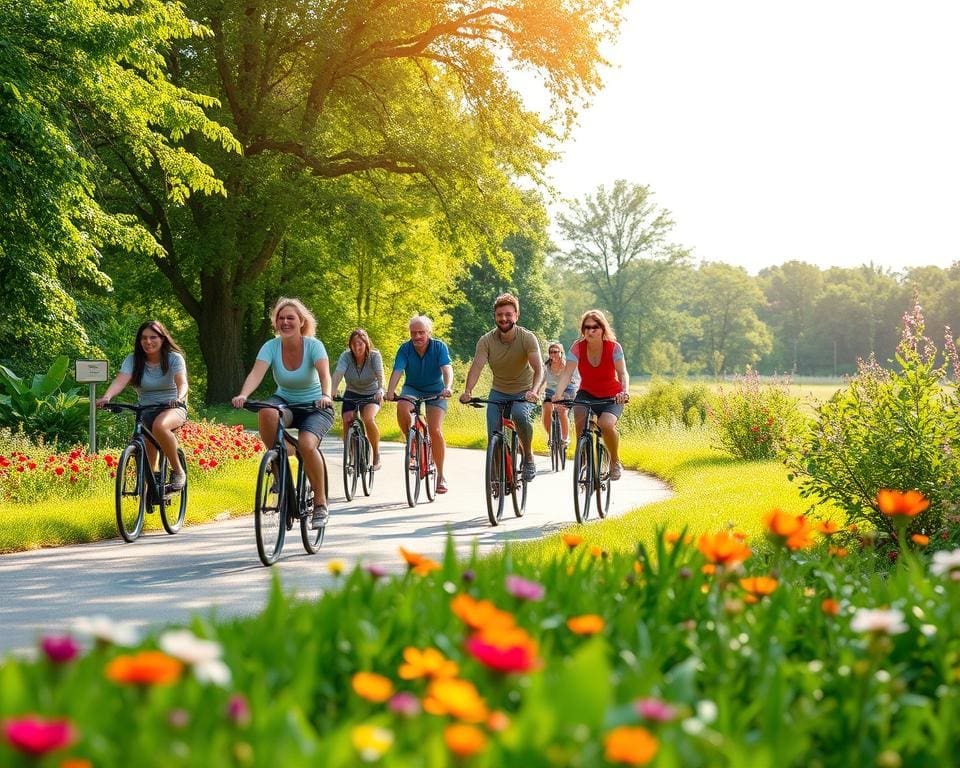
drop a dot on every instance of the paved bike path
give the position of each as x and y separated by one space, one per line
213 568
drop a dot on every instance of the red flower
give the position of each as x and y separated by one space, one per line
35 736
213 463
32 465
516 658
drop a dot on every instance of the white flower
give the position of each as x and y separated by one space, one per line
202 655
946 563
889 622
106 630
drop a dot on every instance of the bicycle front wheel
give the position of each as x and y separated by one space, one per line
130 498
602 480
173 510
311 537
411 466
494 480
366 467
556 444
351 460
582 479
430 471
518 486
269 511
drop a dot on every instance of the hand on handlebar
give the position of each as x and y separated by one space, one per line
446 392
622 397
324 402
466 397
390 396
238 401
101 402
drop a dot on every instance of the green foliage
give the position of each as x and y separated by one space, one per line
754 420
44 409
893 429
665 403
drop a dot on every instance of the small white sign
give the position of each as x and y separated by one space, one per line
91 371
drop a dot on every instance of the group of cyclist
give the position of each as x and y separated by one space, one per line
593 369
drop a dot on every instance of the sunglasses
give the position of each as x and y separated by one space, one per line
590 327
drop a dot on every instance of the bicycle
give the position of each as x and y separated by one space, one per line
280 500
418 454
139 491
591 464
357 452
504 461
558 449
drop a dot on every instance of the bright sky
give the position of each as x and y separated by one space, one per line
823 130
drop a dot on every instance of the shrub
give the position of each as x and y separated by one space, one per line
666 403
44 409
754 420
887 429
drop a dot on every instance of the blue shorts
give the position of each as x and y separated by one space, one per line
315 422
441 403
598 407
568 394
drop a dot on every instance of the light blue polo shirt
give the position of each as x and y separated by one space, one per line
303 384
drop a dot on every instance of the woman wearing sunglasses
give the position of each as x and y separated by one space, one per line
598 358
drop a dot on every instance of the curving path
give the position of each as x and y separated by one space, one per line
214 568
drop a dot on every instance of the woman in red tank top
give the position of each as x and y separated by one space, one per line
603 375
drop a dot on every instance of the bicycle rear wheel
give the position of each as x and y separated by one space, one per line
269 511
367 473
311 537
351 459
602 481
518 486
582 479
173 510
411 467
493 479
556 444
130 492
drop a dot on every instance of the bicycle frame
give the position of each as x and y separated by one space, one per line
356 452
502 473
590 476
419 452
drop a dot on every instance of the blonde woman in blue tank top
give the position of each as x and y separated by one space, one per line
301 370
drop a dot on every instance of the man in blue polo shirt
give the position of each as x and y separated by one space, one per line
427 369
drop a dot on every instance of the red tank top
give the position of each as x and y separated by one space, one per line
599 381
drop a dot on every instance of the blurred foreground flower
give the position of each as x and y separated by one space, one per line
655 710
759 586
881 622
457 698
371 742
946 564
901 503
35 735
523 589
405 704
572 540
464 740
792 530
426 663
106 630
145 668
238 710
587 624
723 549
419 564
60 648
521 657
630 745
203 656
372 687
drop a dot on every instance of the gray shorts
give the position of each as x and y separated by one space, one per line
598 407
315 422
440 403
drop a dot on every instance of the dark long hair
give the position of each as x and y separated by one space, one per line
140 357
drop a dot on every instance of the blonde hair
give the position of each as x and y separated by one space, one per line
600 319
308 323
559 346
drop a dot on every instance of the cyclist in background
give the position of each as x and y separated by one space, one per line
425 364
361 368
513 353
158 372
301 370
553 368
598 358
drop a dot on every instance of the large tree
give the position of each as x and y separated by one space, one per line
416 91
619 240
792 291
64 67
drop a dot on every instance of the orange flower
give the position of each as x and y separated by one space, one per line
479 614
900 503
709 569
723 549
630 745
595 551
419 564
830 607
145 668
637 566
587 624
827 527
920 540
792 530
671 537
840 552
457 698
464 740
372 687
759 586
76 762
426 663
572 540
498 721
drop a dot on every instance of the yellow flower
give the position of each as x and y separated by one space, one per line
464 740
336 567
457 698
371 686
426 663
630 745
371 742
587 624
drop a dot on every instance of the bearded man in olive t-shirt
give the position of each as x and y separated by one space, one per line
515 359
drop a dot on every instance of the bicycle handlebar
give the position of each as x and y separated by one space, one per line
568 403
361 401
479 402
415 400
261 405
119 407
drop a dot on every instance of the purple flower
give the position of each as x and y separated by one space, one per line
377 571
60 648
655 710
238 710
468 576
405 704
522 589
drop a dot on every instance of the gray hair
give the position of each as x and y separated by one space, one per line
427 322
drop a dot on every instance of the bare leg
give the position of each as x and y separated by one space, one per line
164 426
547 410
313 465
564 423
369 417
611 438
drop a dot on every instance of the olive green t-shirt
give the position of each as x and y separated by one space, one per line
510 362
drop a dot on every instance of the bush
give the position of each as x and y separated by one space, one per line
666 403
888 429
754 420
44 409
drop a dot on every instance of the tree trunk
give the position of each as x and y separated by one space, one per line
221 339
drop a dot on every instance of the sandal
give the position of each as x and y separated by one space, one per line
442 486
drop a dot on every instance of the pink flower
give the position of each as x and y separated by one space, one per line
35 736
655 710
60 648
405 704
522 589
238 710
516 658
377 571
